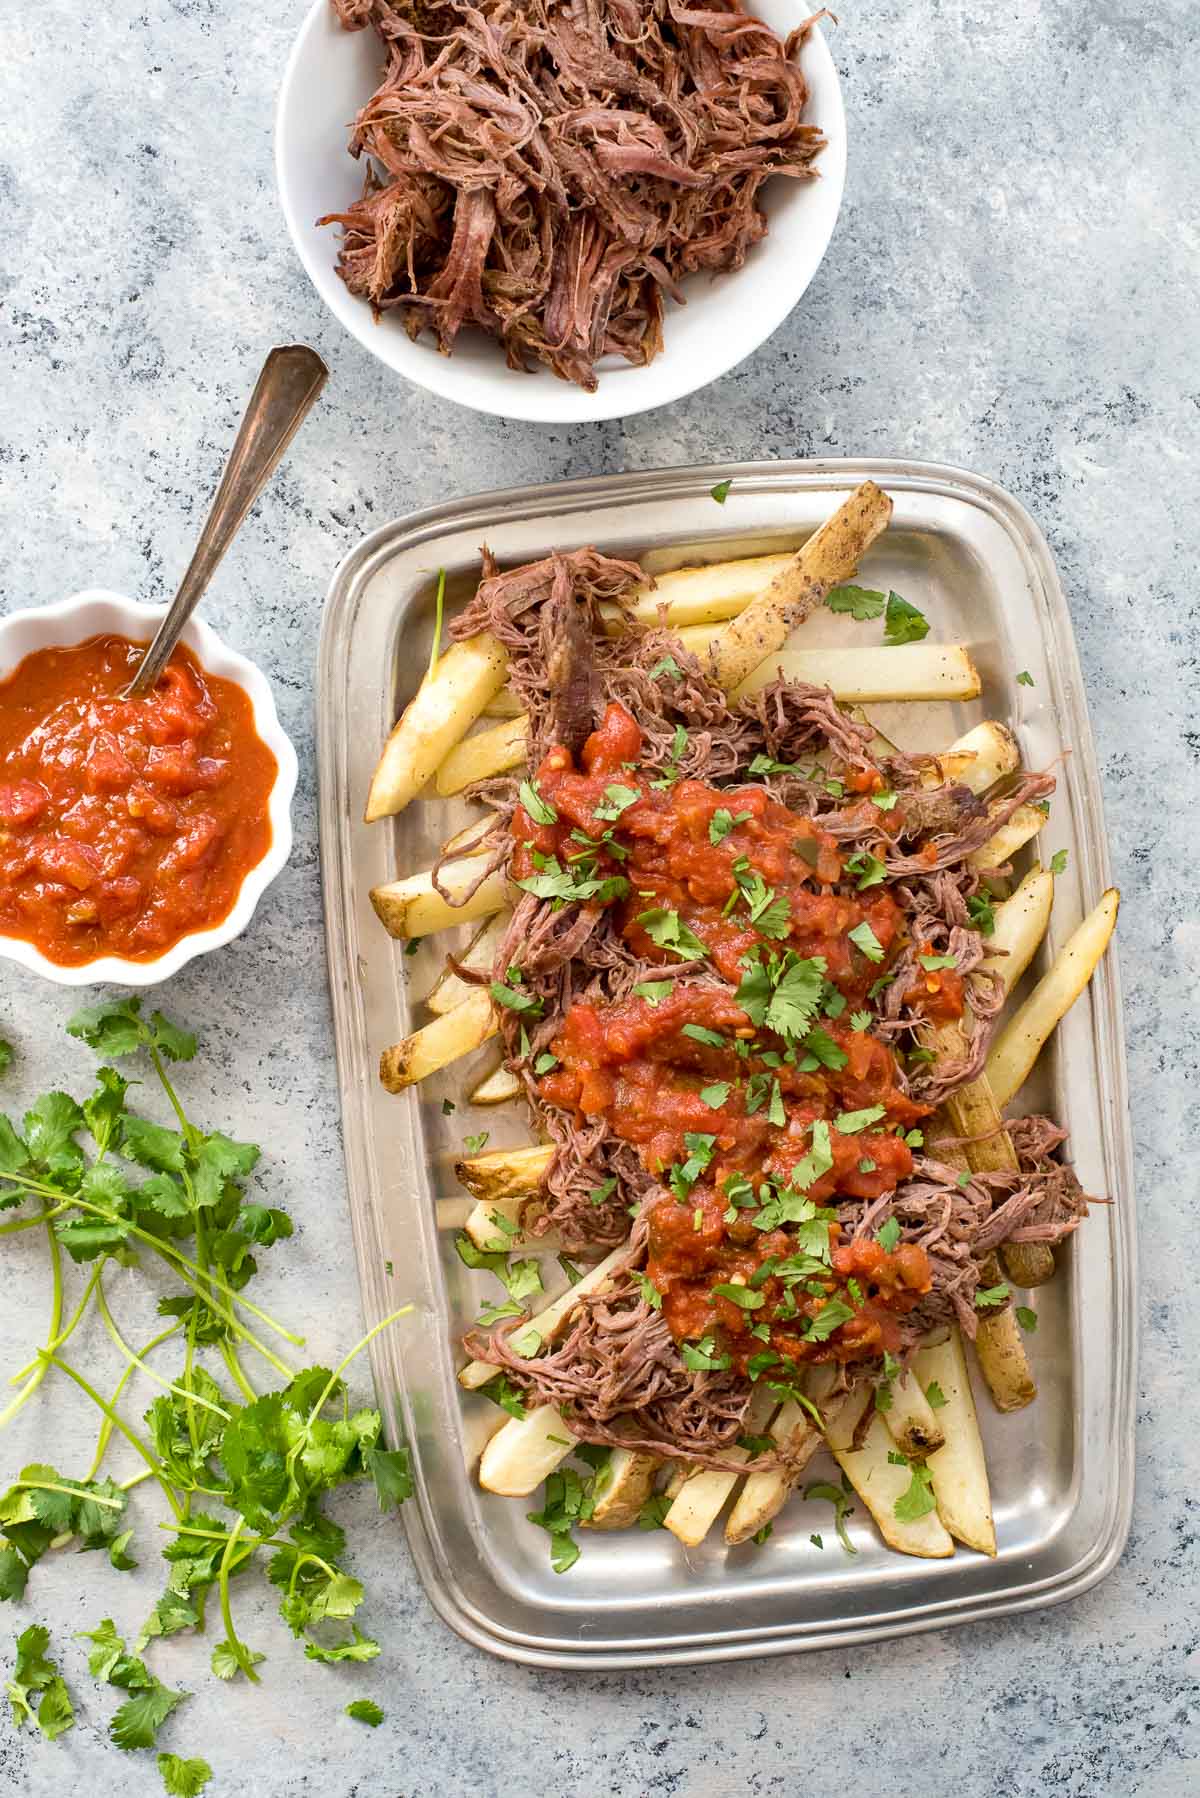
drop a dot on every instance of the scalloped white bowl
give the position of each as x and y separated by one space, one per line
89 614
330 76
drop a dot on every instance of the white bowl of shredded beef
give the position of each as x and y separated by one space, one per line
560 210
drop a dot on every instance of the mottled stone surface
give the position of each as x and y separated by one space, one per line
1012 287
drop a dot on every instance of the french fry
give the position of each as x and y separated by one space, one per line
1020 925
974 1114
488 752
414 907
445 706
524 1452
911 1421
695 1510
879 1483
830 556
959 1468
702 595
496 1088
977 760
547 1322
859 676
1020 1042
998 1346
911 671
449 989
496 1226
435 1045
622 1488
470 839
505 1173
763 1495
1024 824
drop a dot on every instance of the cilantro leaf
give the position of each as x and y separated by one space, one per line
365 1710
653 1514
37 1691
667 929
991 1295
981 910
715 1096
1058 862
1027 1318
617 799
903 623
183 1779
849 1123
918 1500
1025 679
648 1290
358 1648
936 1397
654 991
720 492
702 1356
864 938
722 822
868 868
842 1508
666 665
539 809
888 1234
137 1723
860 602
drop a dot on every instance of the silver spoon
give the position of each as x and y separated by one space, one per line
292 377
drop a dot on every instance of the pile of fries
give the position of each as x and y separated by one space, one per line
744 618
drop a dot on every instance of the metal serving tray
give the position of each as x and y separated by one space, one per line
1061 1471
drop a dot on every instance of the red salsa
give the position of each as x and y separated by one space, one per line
124 824
759 1100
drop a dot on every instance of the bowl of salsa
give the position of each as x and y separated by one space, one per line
135 834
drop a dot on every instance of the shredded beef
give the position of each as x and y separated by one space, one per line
547 171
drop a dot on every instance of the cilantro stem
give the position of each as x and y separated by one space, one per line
108 1504
182 1392
344 1363
131 1436
241 1652
435 651
31 1223
106 1428
63 1335
56 1310
237 1372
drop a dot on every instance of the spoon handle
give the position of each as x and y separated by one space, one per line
291 379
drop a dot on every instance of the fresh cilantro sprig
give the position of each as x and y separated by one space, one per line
111 1185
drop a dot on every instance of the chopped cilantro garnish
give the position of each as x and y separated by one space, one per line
902 622
667 929
1058 861
545 1063
832 1315
981 910
648 1290
1024 679
666 665
514 999
860 1020
447 1107
743 1296
721 491
473 1144
539 809
1027 1318
670 773
991 1295
702 1357
577 883
869 869
617 799
918 1500
654 991
935 1396
888 1234
715 1096
861 603
842 1508
819 1043
849 1123
864 938
699 1034
886 801
722 822
934 962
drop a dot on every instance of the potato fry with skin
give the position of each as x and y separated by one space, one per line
763 1495
1020 1042
911 1421
879 1483
976 760
695 1510
974 1113
701 595
830 556
436 1045
445 706
524 1452
488 752
414 907
959 1468
496 1226
622 1489
998 1346
449 989
505 1173
1021 922
547 1322
911 671
1021 828
496 1088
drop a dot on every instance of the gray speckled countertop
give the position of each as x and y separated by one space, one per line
1012 287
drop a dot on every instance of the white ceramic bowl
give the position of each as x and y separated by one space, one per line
91 614
332 73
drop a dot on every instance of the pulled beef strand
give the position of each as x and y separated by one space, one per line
548 172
